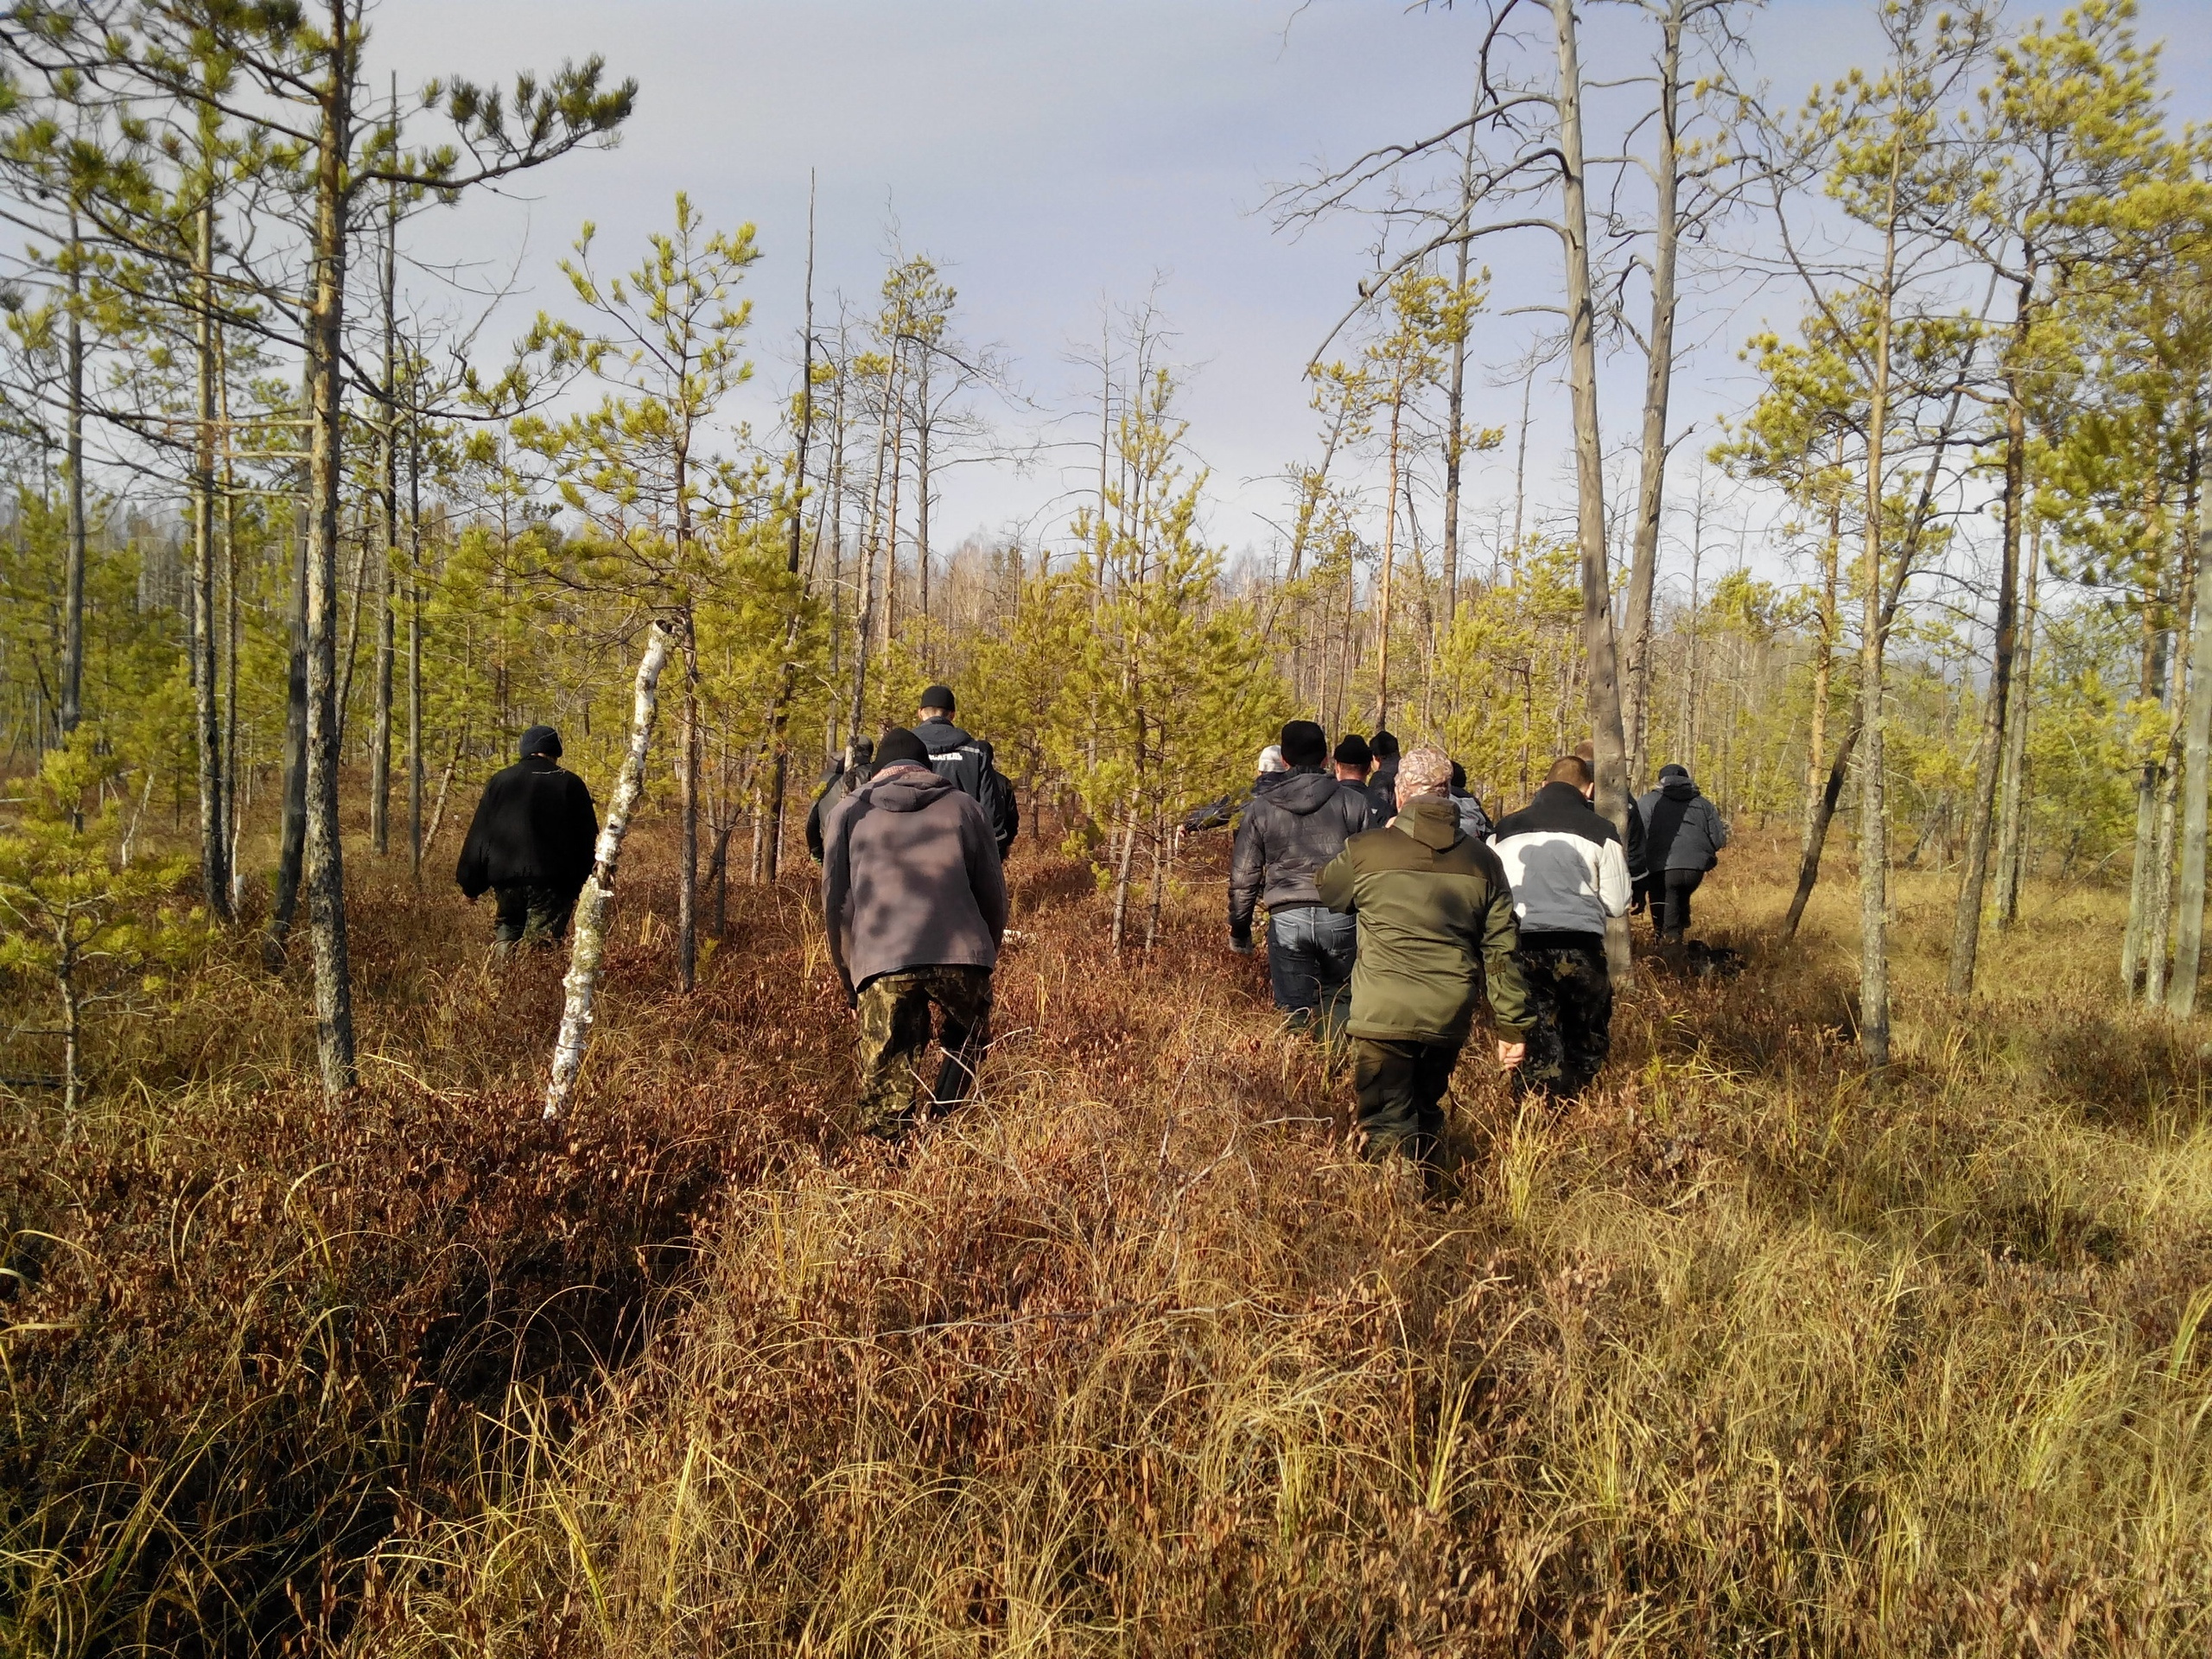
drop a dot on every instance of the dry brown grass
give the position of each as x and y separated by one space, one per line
1736 1356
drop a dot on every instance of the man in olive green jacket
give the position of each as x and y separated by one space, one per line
1435 927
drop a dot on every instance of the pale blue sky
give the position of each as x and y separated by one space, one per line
1054 156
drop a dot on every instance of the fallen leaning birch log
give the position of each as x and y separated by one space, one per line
590 936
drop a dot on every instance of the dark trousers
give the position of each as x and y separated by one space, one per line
895 1017
1670 902
1399 1085
1310 953
1572 995
531 913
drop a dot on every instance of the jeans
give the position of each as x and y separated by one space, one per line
1310 951
1670 903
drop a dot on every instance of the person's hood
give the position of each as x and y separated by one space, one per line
941 734
1433 821
1679 787
1303 792
906 786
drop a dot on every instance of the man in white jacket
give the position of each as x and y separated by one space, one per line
1569 874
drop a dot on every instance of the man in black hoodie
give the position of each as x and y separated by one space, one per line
967 762
1685 834
859 767
1383 785
1297 821
531 841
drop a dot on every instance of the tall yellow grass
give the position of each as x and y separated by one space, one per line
1133 1355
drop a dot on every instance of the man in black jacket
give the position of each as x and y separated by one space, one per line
1383 785
859 767
1296 822
531 841
969 763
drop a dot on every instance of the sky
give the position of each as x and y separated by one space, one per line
1057 159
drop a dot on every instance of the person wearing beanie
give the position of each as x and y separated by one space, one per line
1684 836
1569 876
532 842
969 762
1383 785
1473 818
914 902
1297 821
1435 919
847 774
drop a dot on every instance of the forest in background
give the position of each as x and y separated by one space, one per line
272 536
1812 1329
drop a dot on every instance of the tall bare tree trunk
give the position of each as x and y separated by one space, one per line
1816 757
326 869
214 844
1604 685
72 578
414 653
779 715
1389 560
1657 388
2196 782
1873 802
387 614
1973 874
1455 434
2012 801
589 945
2134 943
292 836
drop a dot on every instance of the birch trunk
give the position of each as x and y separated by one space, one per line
590 927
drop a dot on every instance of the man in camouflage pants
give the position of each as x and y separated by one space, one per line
1570 876
915 904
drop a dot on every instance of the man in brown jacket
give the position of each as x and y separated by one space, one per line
914 900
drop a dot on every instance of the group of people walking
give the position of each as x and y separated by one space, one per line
1393 904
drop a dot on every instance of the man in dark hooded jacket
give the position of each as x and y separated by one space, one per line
531 841
1383 785
914 900
1296 822
1683 836
969 763
859 765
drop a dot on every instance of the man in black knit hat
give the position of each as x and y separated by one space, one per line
1297 822
531 841
969 763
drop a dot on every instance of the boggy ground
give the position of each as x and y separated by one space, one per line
1134 1355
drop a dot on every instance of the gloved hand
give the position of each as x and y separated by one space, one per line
1241 944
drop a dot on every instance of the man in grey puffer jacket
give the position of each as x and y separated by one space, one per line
1683 835
915 904
1297 821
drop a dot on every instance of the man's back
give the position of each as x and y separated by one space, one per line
1435 922
536 823
968 763
910 878
1565 861
1295 823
